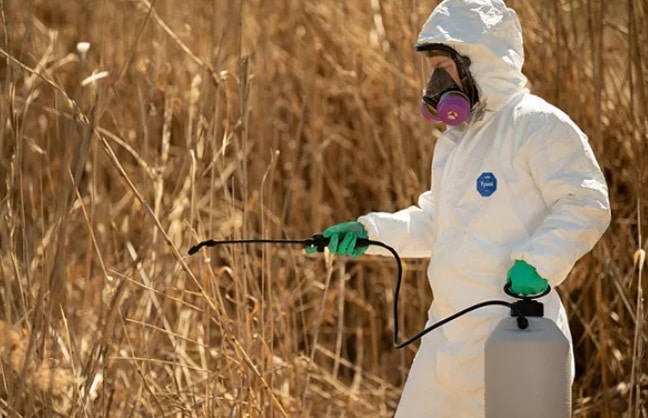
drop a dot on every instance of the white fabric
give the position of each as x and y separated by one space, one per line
521 182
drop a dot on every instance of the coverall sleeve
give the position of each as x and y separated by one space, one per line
574 190
408 231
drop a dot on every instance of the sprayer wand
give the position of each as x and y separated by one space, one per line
320 242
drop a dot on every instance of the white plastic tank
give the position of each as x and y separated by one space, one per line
527 371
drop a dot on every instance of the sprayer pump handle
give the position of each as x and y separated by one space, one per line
508 291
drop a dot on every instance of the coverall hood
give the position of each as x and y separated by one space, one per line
489 33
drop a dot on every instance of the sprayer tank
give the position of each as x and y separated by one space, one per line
527 371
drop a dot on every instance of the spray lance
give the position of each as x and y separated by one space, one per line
527 357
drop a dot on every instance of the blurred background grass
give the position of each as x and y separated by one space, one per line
229 119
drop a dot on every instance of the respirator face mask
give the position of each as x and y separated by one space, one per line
443 99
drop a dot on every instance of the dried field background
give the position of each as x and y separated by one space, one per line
248 119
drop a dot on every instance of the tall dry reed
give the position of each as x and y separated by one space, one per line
232 119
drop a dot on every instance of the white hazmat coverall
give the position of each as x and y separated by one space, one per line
519 182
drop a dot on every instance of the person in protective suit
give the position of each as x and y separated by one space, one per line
517 196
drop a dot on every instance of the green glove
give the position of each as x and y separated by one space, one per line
343 238
525 280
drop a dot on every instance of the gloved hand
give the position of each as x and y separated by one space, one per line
525 280
343 239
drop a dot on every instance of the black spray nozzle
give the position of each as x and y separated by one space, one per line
208 243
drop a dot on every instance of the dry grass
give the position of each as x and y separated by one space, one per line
266 119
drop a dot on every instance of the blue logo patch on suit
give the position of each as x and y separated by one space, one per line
486 184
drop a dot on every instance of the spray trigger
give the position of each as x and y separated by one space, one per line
320 242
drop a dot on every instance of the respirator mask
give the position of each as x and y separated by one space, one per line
443 99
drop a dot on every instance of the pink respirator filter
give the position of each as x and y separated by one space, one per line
453 109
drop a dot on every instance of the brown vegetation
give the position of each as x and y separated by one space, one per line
230 119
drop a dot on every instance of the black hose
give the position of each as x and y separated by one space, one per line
320 242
